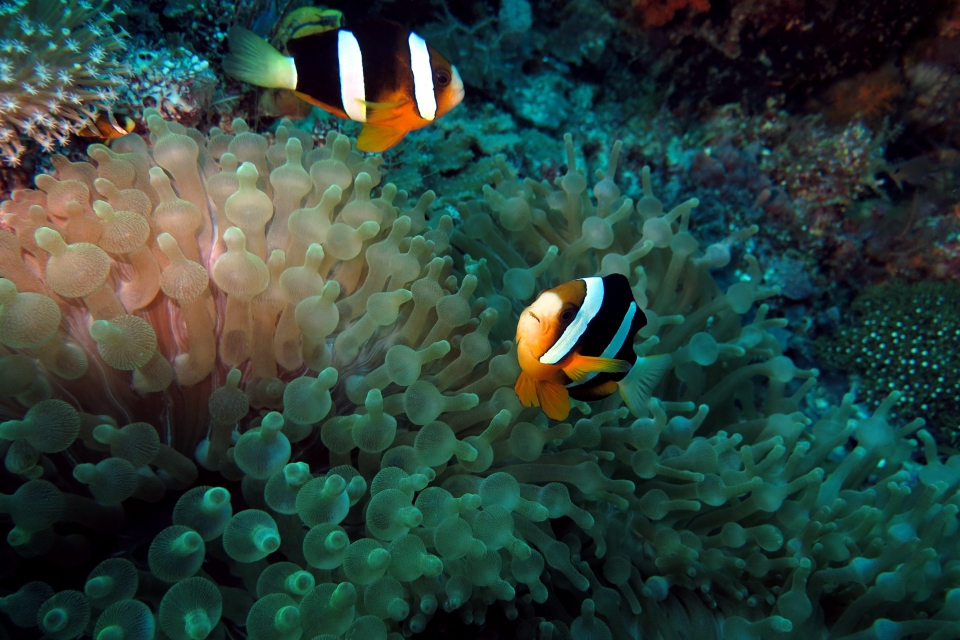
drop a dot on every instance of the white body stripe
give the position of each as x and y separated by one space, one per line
591 305
352 90
616 343
422 77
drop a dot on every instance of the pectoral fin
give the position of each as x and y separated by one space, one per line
526 388
554 399
580 366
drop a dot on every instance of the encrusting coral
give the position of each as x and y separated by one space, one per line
905 337
333 404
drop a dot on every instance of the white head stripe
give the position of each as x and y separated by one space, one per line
352 91
422 77
616 343
591 305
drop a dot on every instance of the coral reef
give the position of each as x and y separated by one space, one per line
905 336
804 182
199 26
758 50
176 82
339 364
868 96
51 89
657 13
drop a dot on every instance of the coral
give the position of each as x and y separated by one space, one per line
175 8
799 177
862 218
541 101
762 15
657 13
51 87
515 16
825 170
905 336
322 376
934 84
915 239
765 52
179 29
176 82
869 96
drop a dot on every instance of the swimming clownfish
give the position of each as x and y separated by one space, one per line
108 126
377 73
305 21
576 340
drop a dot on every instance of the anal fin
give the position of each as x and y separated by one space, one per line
374 137
340 113
594 392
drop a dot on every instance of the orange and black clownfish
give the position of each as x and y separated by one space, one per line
576 340
377 73
108 126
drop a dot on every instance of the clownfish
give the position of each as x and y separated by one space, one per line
108 126
576 341
377 73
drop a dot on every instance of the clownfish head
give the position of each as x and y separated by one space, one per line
447 84
543 322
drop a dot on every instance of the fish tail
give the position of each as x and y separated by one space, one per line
637 386
252 59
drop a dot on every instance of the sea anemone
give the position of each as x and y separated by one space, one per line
322 378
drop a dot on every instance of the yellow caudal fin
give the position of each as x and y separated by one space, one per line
379 138
526 388
252 59
581 366
638 385
554 399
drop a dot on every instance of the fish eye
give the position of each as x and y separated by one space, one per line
442 77
568 315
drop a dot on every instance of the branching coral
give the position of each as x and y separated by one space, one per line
345 384
58 66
